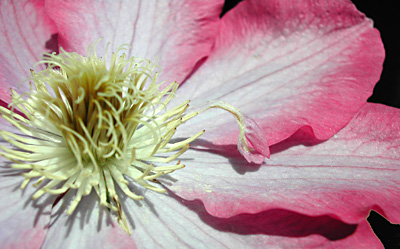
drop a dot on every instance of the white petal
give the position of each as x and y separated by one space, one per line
23 222
178 33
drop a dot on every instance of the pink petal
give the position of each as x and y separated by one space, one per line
355 171
25 34
90 226
22 221
175 32
288 64
165 220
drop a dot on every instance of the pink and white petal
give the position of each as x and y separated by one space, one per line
163 220
175 32
90 226
288 64
26 32
355 171
23 221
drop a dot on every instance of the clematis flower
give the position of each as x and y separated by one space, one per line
294 74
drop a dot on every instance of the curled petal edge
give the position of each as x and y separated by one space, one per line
252 142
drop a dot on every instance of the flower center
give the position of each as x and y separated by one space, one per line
89 124
93 123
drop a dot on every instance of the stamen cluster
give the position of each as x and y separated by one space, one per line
93 123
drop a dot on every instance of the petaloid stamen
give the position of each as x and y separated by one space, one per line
93 123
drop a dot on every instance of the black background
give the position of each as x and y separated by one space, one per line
387 90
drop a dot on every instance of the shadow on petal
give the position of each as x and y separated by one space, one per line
83 213
41 205
230 151
276 222
303 136
52 43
